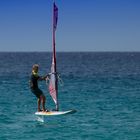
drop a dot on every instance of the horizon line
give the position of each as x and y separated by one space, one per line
70 52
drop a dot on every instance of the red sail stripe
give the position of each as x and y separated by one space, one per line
52 91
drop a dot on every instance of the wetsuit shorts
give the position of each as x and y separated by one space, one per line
37 92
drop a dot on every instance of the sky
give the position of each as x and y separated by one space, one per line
83 25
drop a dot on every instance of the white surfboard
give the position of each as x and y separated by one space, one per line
54 113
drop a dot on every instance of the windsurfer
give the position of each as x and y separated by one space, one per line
41 99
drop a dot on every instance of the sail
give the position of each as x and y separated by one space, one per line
53 82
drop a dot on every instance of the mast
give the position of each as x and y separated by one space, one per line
53 30
55 16
53 82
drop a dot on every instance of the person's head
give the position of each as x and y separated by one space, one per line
35 68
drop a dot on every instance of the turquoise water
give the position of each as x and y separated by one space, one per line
104 88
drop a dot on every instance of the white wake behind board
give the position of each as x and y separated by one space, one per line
54 113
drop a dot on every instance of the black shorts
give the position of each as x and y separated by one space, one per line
37 92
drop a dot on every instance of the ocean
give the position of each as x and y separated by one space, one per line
104 88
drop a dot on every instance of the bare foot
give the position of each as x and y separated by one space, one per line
45 110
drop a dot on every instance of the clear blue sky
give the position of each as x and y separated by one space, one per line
83 25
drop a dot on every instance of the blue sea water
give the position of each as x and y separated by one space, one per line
104 88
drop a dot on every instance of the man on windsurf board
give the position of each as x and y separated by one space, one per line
41 99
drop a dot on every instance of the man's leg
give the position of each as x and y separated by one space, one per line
43 102
38 104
